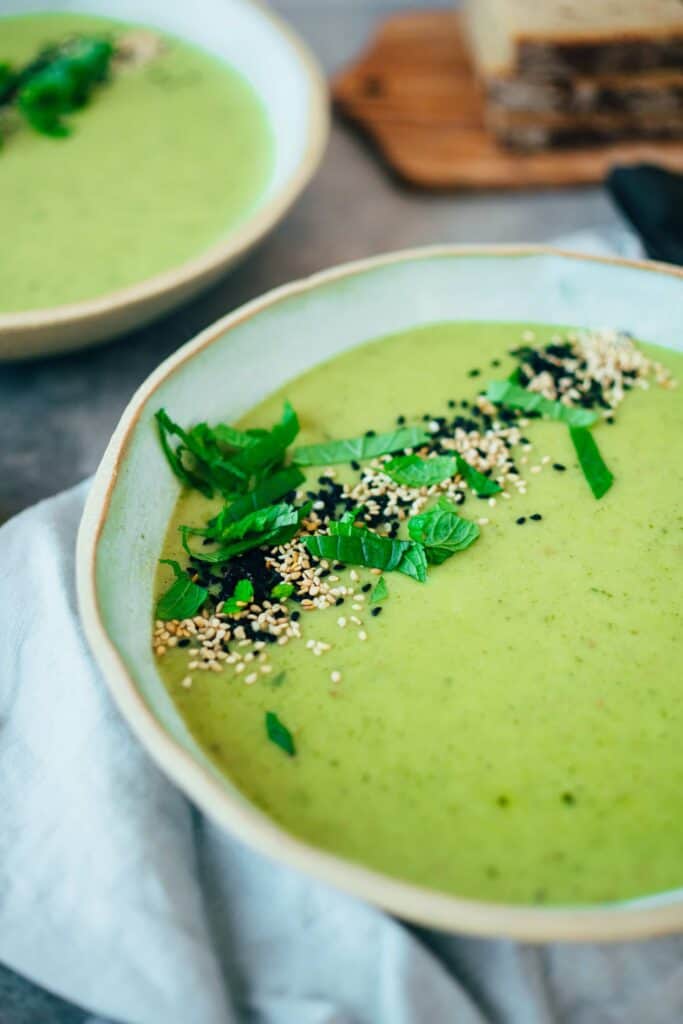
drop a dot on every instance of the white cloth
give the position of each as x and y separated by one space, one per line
118 895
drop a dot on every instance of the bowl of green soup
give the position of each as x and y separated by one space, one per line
144 149
384 570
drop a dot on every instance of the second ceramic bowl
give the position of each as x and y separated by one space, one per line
292 90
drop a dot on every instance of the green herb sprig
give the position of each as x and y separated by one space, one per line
442 532
369 446
414 471
228 461
58 81
183 599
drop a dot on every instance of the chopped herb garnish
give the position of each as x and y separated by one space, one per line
224 459
477 481
371 446
272 489
279 734
442 532
414 471
242 596
503 392
380 591
364 547
281 591
272 526
278 679
183 599
594 469
58 81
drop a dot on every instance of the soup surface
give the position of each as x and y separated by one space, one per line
511 728
165 160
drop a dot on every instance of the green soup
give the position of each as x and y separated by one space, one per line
165 160
510 729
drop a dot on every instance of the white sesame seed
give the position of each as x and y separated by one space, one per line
335 677
186 682
341 622
362 635
251 678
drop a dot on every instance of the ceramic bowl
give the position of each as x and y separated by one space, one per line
236 363
293 91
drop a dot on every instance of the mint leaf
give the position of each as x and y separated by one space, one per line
279 734
272 489
414 471
477 481
270 526
346 526
380 591
414 563
594 469
269 448
242 596
442 532
503 392
364 547
281 591
358 448
183 599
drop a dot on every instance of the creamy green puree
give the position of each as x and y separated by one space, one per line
165 160
510 729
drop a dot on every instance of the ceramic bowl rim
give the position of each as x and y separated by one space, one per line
237 242
609 922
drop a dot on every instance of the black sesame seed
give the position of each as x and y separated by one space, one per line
521 520
375 611
184 642
474 373
366 587
370 433
355 465
451 403
400 420
340 600
569 799
559 467
536 517
495 362
295 616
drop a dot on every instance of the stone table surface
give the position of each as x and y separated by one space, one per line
56 415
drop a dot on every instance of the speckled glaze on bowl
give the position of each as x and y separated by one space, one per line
292 89
233 365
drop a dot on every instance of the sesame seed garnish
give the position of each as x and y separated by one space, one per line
376 611
521 520
559 467
536 516
336 677
362 635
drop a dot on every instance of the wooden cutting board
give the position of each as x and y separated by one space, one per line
414 93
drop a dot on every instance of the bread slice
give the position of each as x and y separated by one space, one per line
555 39
522 130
